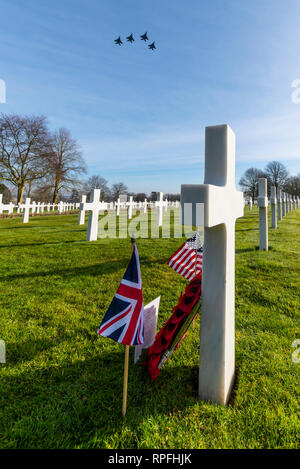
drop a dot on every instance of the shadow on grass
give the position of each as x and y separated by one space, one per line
24 227
101 268
70 403
46 243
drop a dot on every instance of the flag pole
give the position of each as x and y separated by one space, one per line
126 362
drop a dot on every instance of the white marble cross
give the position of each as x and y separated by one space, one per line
279 204
26 211
130 206
223 204
93 208
287 204
118 206
250 203
283 204
6 207
82 209
145 206
160 205
273 207
262 201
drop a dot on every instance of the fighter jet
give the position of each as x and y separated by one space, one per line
144 37
118 41
130 38
152 46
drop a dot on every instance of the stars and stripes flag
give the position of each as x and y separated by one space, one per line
187 260
124 319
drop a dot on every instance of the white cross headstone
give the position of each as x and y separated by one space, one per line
118 206
279 204
283 200
145 206
130 206
6 207
26 211
82 209
273 207
250 203
223 204
287 203
93 208
160 204
262 201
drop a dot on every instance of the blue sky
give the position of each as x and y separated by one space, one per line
139 115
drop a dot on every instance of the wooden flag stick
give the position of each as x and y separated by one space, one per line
126 362
125 382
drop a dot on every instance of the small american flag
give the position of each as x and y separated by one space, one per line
124 319
187 260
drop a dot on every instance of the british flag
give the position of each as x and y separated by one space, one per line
124 320
187 260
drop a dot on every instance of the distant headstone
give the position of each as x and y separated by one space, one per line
273 207
82 209
26 211
130 206
93 208
262 201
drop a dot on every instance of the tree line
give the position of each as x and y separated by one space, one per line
49 166
31 154
276 174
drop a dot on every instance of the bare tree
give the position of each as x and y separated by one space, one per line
25 150
140 197
98 182
67 163
6 194
117 189
277 173
249 180
292 185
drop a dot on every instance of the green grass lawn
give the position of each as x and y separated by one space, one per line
62 384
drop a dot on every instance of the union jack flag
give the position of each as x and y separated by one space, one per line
187 260
124 320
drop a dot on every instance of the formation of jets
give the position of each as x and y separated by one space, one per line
131 39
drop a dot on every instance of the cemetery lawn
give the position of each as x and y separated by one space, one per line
61 386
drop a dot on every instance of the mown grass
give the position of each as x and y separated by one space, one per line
61 386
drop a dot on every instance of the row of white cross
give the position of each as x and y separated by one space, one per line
95 206
284 203
29 207
287 200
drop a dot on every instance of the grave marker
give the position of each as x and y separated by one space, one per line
93 208
262 202
279 204
273 207
82 209
223 204
26 211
